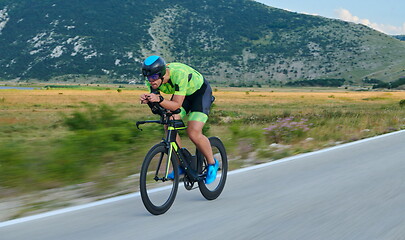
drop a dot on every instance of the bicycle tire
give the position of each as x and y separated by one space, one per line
213 190
153 192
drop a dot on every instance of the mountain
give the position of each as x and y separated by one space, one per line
230 41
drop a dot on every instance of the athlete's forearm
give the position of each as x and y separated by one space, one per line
171 105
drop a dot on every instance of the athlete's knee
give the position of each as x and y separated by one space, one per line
194 133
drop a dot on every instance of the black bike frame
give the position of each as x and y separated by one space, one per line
173 126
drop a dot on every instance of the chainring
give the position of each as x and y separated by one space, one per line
187 183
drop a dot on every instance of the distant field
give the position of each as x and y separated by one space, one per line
42 108
59 137
35 110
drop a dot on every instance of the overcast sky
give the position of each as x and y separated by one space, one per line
387 16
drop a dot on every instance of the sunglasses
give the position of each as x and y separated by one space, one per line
153 77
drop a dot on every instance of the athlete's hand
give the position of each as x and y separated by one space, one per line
153 97
144 99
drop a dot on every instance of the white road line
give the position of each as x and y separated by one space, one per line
137 194
68 209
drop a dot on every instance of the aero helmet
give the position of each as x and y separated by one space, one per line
154 65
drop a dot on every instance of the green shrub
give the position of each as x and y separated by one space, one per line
245 139
82 152
241 131
318 82
286 130
402 103
12 165
94 117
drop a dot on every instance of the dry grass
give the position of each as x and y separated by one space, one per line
42 108
322 98
32 120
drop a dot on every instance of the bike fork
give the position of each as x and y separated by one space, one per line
168 162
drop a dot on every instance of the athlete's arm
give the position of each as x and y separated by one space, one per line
174 104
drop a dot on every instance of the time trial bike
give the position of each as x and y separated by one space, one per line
157 189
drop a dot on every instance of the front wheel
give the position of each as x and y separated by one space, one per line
158 192
213 190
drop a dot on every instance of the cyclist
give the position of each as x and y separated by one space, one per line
191 92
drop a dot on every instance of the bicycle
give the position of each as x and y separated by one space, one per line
158 192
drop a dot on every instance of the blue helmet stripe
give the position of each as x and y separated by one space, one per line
150 60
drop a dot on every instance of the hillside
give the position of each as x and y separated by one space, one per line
232 41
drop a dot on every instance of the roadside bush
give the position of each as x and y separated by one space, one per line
402 103
286 130
82 152
76 157
94 117
96 131
245 139
99 133
243 132
12 165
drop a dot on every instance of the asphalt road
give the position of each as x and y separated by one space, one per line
354 191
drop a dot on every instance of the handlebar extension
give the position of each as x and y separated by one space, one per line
161 111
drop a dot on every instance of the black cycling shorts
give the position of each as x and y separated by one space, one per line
198 104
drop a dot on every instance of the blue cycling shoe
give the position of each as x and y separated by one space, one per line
212 172
171 175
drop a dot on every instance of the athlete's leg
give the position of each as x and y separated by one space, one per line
194 131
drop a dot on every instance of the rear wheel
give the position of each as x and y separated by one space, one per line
213 190
158 192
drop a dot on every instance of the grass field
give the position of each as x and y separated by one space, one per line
59 137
